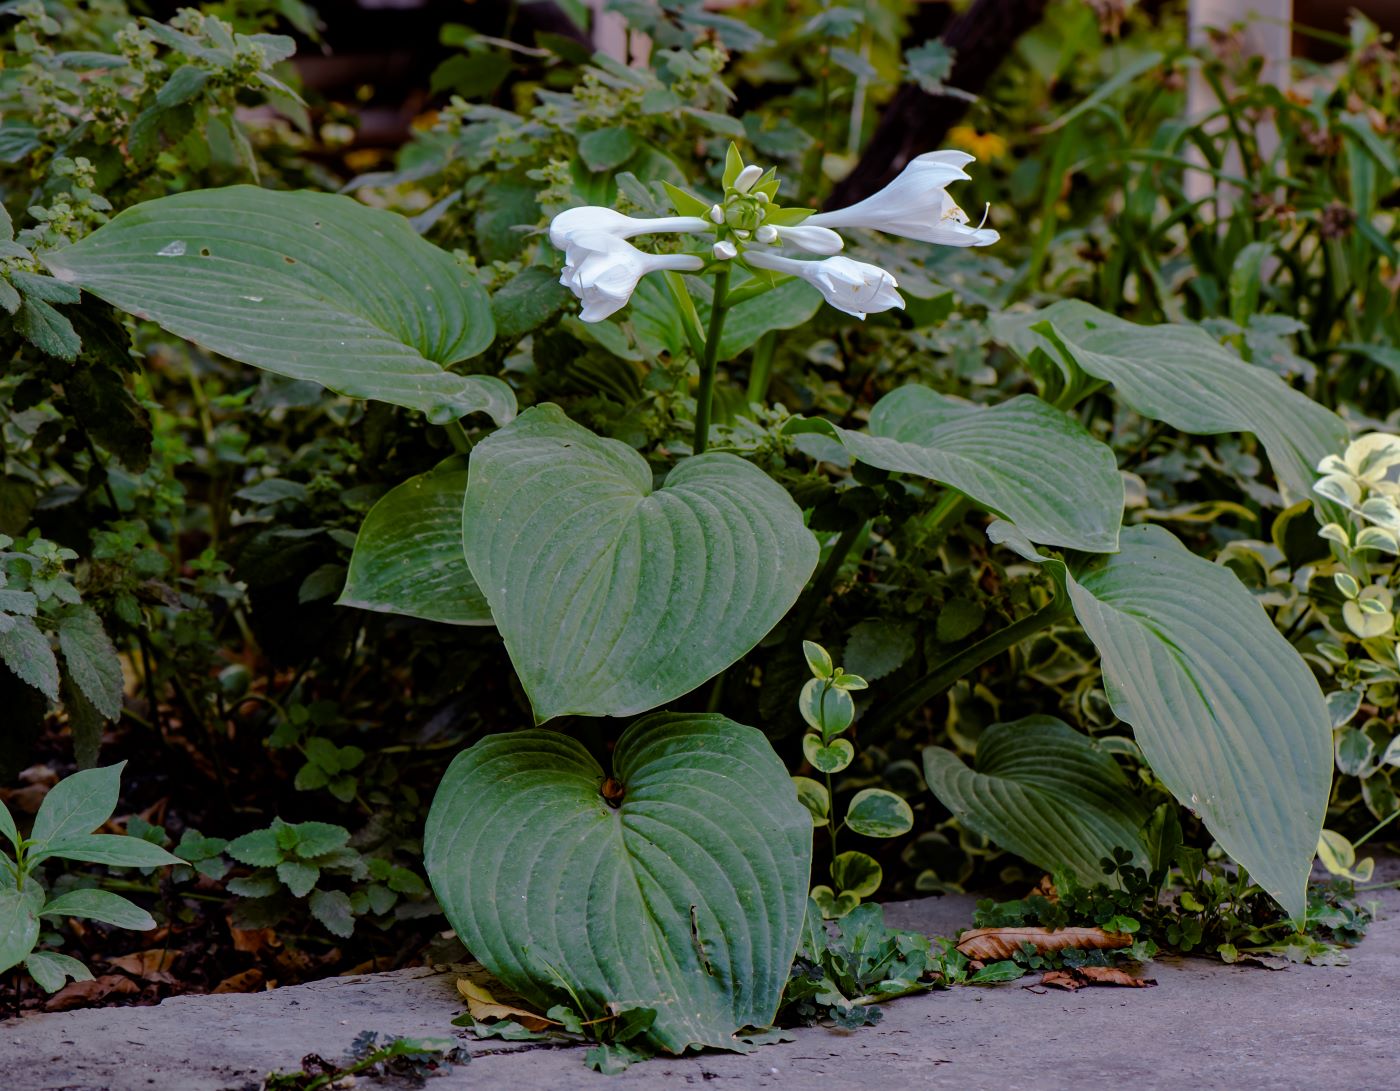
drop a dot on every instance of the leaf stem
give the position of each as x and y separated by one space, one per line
457 433
705 397
969 659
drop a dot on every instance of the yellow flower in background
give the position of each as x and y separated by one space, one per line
985 146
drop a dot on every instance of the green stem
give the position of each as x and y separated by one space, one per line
1376 829
941 519
826 575
705 397
461 442
969 659
690 317
762 370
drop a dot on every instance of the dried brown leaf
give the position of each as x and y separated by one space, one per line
252 940
1093 975
484 1007
77 994
152 965
246 982
992 944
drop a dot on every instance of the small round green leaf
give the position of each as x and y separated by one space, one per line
818 659
856 873
833 906
813 795
825 707
827 759
875 812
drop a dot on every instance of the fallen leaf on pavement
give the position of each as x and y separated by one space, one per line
77 994
991 944
483 1007
1093 975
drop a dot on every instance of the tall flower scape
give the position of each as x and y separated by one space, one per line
749 227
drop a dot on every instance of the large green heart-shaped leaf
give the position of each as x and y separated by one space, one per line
1226 711
614 597
1023 459
1183 376
686 898
315 286
1044 791
408 555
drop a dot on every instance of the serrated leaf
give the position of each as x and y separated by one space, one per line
298 877
607 149
91 659
1182 376
257 849
614 597
78 804
695 885
319 838
878 648
313 286
100 905
1021 458
52 968
875 812
333 909
1226 712
47 330
1045 792
26 651
184 84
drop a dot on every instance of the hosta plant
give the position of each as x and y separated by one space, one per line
63 830
622 577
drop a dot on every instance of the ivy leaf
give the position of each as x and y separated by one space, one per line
313 286
614 597
695 884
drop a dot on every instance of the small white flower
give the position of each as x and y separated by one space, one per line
603 270
591 218
766 233
916 205
747 177
717 213
814 240
724 250
851 286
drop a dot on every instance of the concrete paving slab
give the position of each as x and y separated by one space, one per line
1205 1025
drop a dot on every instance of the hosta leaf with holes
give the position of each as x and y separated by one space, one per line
1226 712
1045 792
613 596
314 286
1184 377
687 897
1022 458
408 555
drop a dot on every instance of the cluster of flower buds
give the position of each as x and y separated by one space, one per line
748 226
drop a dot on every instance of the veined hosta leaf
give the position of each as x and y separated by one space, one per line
408 555
312 285
1183 376
1023 459
1226 712
687 898
1046 792
614 597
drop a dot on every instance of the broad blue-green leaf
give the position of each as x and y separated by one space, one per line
114 850
791 304
613 596
19 922
91 659
1184 377
52 968
1226 712
1045 792
78 804
100 905
688 898
314 286
408 555
1023 459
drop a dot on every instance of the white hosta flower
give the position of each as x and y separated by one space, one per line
916 205
592 218
603 270
814 240
848 285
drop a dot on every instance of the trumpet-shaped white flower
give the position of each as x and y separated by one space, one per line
603 270
848 285
916 205
590 218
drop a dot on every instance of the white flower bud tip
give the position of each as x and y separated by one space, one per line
717 214
747 177
766 233
742 233
725 250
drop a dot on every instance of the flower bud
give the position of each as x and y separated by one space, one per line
747 177
725 250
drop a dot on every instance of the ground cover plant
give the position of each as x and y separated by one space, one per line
480 522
